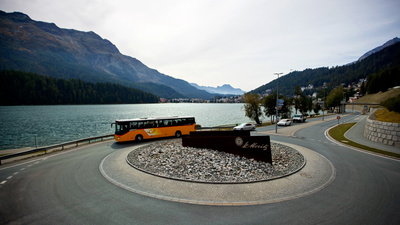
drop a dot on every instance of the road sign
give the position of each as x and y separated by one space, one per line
280 102
338 117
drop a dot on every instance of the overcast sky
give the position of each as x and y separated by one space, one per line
237 42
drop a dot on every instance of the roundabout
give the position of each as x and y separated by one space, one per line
169 159
73 187
313 174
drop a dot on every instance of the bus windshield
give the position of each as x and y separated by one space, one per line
121 128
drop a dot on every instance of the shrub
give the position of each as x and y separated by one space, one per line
393 104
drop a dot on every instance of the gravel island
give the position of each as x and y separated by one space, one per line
169 159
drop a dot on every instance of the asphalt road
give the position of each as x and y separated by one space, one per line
68 188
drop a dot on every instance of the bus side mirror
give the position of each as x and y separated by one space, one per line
112 125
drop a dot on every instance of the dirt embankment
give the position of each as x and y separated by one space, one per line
379 97
383 115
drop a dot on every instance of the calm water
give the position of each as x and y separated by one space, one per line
57 124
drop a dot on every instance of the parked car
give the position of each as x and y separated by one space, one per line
285 122
245 126
299 118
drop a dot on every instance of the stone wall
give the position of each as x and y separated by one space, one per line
382 132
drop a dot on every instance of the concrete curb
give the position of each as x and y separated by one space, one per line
317 174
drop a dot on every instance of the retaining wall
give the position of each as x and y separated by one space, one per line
382 132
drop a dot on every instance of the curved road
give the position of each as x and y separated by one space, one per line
68 188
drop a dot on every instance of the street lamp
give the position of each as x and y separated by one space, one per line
276 119
323 103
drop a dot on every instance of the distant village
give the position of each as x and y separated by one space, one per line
217 99
353 88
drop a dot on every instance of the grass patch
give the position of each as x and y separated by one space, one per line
385 115
338 132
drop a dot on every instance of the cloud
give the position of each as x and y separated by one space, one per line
237 42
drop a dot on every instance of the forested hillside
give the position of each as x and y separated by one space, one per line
44 48
383 80
387 59
22 88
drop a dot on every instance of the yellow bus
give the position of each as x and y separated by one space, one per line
146 128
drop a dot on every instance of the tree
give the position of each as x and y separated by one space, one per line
316 108
335 97
285 110
32 89
252 107
269 103
296 97
363 89
301 101
305 104
392 104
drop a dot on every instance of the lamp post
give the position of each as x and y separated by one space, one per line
276 119
323 103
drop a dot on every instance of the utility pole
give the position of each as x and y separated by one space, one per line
276 119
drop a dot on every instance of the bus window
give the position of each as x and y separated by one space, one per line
190 121
140 124
134 125
184 121
149 124
159 123
178 122
167 123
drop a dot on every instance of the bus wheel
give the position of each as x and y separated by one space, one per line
178 134
139 138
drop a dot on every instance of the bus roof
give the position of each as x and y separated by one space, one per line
154 118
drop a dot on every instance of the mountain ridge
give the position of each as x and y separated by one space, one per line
377 49
225 89
386 58
46 49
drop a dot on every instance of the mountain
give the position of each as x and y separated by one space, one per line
45 49
225 89
377 49
386 59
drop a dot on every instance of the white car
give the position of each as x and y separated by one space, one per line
245 126
299 118
284 122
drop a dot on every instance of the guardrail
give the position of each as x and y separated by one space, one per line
214 128
41 149
62 145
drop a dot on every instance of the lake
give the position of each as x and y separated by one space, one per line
63 123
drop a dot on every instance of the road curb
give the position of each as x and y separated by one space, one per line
317 174
355 148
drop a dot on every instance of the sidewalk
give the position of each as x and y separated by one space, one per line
356 134
291 130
